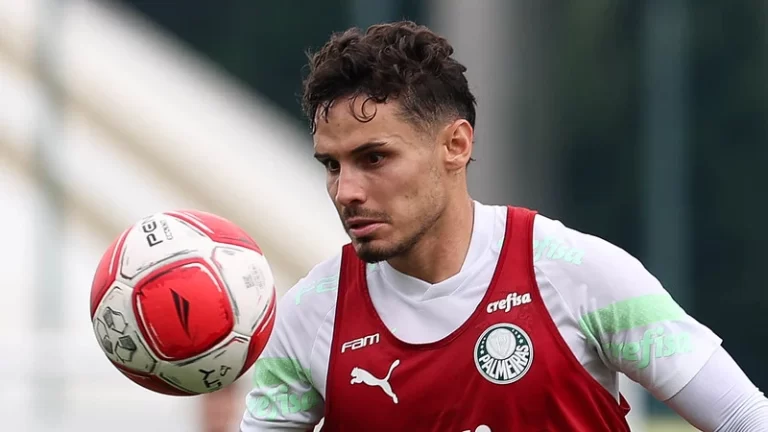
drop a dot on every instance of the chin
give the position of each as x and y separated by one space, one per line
373 251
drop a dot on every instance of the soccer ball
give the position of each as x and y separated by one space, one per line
183 302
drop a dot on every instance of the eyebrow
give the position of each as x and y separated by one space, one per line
356 151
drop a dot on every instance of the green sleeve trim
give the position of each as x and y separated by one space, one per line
628 314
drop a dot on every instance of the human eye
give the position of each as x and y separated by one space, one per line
332 166
374 159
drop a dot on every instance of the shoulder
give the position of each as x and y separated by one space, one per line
301 314
284 368
622 310
315 289
605 288
601 271
305 306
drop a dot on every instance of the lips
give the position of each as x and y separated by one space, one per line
360 227
359 222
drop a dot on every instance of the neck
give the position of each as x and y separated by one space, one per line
440 254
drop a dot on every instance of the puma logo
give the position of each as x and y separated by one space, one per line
360 375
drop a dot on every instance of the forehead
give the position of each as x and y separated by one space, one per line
355 121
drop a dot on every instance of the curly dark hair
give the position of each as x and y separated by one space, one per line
400 60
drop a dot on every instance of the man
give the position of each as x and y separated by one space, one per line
444 314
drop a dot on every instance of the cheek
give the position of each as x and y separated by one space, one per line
415 192
404 185
429 197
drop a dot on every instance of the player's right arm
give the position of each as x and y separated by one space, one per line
284 397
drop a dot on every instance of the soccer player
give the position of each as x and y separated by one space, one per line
445 314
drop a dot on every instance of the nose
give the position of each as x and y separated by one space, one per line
349 188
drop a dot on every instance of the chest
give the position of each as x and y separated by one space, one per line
505 368
502 369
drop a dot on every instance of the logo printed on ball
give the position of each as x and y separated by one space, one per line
182 310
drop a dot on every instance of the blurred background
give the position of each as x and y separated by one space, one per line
643 122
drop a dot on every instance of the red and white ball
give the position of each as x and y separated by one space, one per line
183 302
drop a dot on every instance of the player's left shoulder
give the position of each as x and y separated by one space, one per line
606 289
623 311
578 259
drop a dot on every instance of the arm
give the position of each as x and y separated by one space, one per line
732 402
283 397
636 328
648 337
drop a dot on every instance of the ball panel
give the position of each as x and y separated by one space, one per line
159 239
106 271
154 383
117 332
213 370
249 282
217 228
183 309
260 337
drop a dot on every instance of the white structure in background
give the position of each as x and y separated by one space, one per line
145 127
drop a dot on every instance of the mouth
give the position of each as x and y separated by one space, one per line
362 227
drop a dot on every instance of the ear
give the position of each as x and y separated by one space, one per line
458 141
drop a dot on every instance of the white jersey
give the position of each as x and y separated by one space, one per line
613 314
